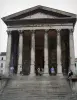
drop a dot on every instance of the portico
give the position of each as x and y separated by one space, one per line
40 42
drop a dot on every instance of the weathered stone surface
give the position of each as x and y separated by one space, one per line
38 88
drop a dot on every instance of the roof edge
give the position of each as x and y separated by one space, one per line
37 7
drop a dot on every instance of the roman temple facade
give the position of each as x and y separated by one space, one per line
40 37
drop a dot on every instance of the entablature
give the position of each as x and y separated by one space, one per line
40 27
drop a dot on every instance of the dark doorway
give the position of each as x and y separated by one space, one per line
39 51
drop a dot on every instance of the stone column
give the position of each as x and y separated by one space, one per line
20 52
32 68
72 52
8 54
59 65
46 69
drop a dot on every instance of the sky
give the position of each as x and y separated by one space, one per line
8 7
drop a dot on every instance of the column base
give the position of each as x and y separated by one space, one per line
72 68
46 70
60 75
19 69
7 75
31 74
32 70
46 74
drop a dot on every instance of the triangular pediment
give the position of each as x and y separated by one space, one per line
39 15
38 12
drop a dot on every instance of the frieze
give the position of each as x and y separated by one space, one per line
41 25
40 28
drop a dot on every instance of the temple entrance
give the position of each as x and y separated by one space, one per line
52 52
39 51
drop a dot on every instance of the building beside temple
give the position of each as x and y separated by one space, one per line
2 63
76 66
40 37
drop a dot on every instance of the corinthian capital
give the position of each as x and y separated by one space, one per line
20 31
32 31
71 31
46 30
58 30
9 32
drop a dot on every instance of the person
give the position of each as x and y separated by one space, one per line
70 73
52 70
12 70
39 73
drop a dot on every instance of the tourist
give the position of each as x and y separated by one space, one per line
39 72
70 73
11 70
52 70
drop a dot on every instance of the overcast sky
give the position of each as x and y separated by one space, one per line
8 7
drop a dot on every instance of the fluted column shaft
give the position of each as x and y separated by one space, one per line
8 54
59 65
72 53
20 52
46 70
32 68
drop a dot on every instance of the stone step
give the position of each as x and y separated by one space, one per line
37 88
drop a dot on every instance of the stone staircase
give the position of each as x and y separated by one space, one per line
38 88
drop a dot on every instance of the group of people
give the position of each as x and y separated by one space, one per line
41 71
